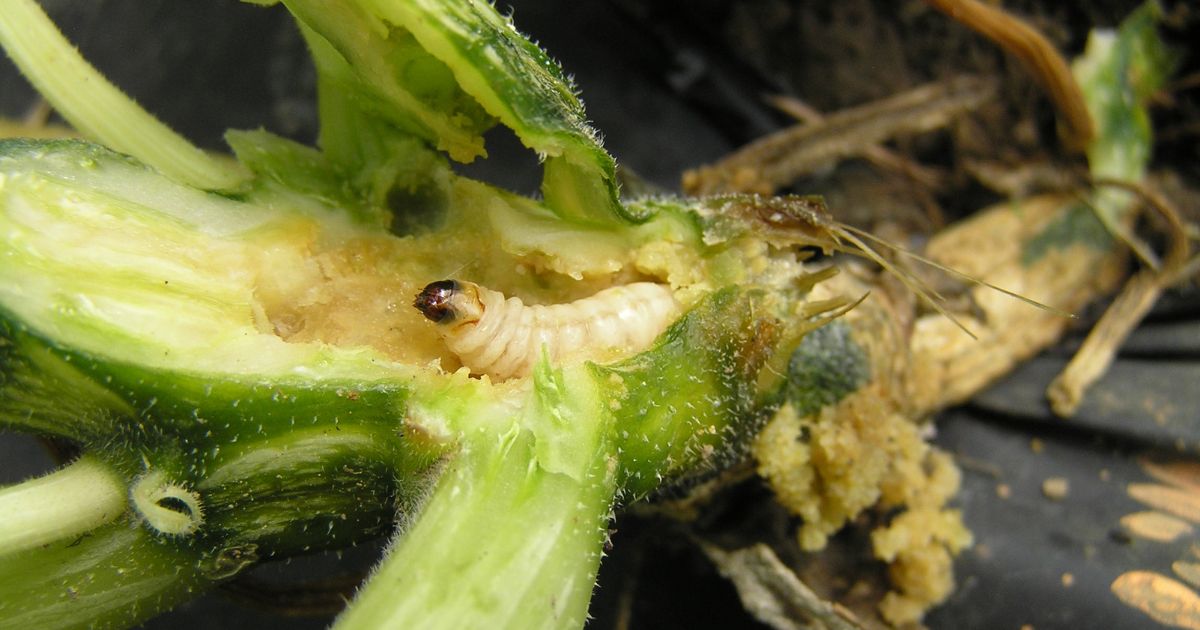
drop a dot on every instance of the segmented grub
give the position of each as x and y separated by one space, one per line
504 338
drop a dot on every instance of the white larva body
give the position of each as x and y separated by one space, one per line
508 337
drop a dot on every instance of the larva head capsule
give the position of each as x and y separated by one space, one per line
449 301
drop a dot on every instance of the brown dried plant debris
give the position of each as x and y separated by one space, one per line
1132 304
771 592
878 155
777 160
866 454
1036 52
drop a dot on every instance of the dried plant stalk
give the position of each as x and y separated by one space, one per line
1123 315
1092 360
1049 249
877 154
777 160
1032 48
771 592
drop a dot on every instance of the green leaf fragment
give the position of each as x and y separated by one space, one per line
684 405
445 72
388 74
1076 224
1118 73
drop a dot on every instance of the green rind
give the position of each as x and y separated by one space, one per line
43 393
111 577
686 404
324 488
296 167
287 464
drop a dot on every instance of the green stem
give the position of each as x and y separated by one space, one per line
110 577
63 504
501 543
96 107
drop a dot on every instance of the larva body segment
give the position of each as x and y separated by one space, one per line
504 338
